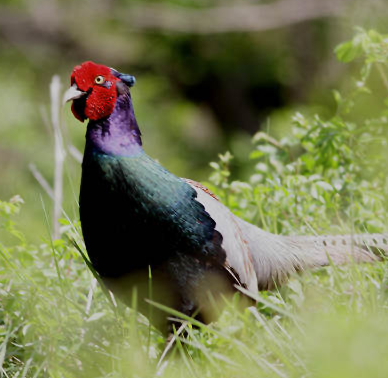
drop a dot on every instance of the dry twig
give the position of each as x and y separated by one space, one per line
59 150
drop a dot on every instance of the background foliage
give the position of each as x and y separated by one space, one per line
210 75
307 136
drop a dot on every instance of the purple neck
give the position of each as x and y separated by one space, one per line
118 134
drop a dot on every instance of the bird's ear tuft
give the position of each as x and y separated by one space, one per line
128 79
125 78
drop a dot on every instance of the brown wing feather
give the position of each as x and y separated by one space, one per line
202 187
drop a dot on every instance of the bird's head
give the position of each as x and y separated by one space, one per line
94 90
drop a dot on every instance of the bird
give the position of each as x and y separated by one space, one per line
154 237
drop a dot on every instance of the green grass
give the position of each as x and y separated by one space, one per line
313 176
58 322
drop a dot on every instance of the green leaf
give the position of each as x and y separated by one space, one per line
375 36
215 165
337 97
309 161
256 154
348 51
325 185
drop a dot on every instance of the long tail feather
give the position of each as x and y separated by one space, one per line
342 248
275 257
259 259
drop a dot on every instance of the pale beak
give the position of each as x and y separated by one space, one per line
73 93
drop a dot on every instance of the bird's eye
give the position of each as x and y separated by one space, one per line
99 79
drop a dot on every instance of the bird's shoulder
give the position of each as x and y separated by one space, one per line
198 185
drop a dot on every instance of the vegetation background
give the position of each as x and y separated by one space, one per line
259 79
210 74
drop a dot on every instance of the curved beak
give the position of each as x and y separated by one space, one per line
73 93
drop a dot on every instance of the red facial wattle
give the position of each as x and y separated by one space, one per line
99 83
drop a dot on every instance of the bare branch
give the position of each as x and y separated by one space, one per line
75 153
41 180
60 154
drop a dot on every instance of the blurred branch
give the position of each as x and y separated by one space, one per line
21 27
55 192
236 18
41 180
75 153
60 154
18 26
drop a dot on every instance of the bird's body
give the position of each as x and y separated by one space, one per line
135 214
138 218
